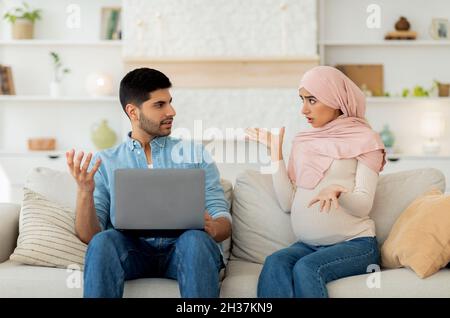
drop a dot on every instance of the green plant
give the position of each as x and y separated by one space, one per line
405 92
419 91
416 91
59 71
24 12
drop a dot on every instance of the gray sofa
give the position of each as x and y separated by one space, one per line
259 228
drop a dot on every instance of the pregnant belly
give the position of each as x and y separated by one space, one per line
322 228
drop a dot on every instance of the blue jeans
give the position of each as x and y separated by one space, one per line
112 257
303 270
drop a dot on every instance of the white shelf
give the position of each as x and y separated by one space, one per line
386 100
28 153
59 153
417 156
385 43
220 59
105 43
44 98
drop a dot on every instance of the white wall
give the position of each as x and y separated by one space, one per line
220 28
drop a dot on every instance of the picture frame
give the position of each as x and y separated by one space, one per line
111 25
439 29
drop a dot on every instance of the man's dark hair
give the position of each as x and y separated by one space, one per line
137 85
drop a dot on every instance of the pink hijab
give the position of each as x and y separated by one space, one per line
348 136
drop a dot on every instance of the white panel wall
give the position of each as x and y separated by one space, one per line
220 28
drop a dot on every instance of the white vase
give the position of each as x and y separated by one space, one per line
55 89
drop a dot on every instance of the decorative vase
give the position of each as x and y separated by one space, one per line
402 24
55 89
102 135
22 29
388 138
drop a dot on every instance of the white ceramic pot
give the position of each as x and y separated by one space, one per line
55 89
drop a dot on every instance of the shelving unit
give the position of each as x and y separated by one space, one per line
344 38
70 118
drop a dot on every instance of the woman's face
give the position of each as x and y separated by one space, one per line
317 113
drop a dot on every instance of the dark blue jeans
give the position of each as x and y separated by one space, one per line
112 257
303 270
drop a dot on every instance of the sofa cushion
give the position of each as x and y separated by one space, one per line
47 234
260 227
57 186
393 283
241 281
396 191
18 280
9 218
420 238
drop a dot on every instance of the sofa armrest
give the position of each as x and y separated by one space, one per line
9 229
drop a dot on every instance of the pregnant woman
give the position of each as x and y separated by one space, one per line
328 187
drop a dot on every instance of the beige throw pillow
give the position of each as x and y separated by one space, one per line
420 238
47 234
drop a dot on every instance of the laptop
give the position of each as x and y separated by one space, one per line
159 202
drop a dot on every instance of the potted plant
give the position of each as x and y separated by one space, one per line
58 73
22 20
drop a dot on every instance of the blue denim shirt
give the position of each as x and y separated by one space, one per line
167 152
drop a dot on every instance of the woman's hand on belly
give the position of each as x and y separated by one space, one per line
328 196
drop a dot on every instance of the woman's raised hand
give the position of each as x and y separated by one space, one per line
274 143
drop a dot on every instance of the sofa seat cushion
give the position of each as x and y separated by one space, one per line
18 280
241 280
394 283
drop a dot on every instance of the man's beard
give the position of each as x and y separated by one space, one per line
151 127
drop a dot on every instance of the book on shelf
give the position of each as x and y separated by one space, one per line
111 28
6 81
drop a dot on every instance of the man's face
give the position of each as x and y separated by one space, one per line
155 116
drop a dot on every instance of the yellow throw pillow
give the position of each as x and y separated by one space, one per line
420 238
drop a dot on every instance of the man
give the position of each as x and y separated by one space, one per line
194 258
